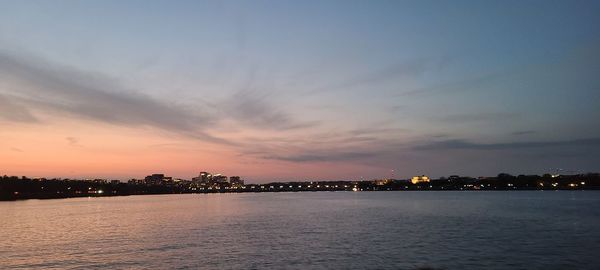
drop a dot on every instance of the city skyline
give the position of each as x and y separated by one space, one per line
299 90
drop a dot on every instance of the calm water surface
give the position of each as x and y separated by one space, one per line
321 230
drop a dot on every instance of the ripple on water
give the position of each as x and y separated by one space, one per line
322 230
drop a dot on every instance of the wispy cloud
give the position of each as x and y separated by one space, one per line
455 86
72 141
15 112
38 84
479 117
361 146
523 132
399 70
253 108
463 144
30 85
323 157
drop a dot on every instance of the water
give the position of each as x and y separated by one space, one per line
321 230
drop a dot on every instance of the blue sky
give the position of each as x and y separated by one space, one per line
363 87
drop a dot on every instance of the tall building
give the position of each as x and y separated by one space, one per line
203 178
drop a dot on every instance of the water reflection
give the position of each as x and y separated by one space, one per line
342 230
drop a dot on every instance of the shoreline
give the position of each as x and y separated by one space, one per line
27 197
14 188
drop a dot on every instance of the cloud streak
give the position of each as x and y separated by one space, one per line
323 157
463 144
351 146
29 85
399 70
523 132
252 108
62 89
14 112
72 141
479 117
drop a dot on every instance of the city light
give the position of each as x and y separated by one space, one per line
161 184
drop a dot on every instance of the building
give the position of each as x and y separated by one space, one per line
155 179
420 179
203 178
382 182
219 179
135 182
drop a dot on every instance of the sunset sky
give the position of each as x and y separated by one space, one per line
299 90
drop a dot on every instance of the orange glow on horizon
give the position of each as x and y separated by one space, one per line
82 149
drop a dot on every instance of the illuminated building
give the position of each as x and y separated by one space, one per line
420 179
218 178
382 182
203 178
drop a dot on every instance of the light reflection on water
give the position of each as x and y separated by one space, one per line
321 230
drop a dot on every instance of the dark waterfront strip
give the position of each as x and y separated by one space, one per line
19 188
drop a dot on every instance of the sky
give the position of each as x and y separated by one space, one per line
299 90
